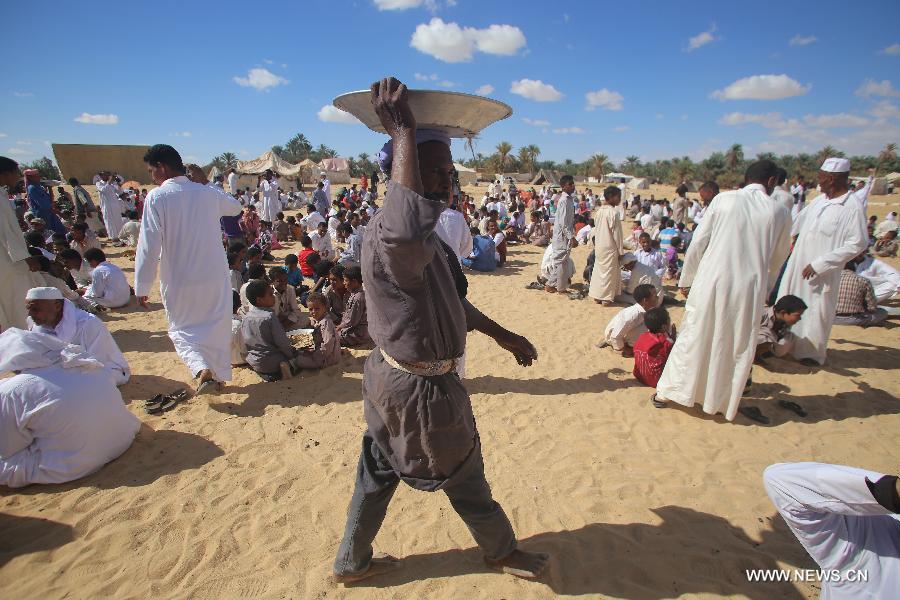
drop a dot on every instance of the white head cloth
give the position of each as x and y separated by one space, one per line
44 293
836 165
22 350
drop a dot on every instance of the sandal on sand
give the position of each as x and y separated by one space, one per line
792 406
534 285
170 401
205 387
576 296
754 414
153 406
657 403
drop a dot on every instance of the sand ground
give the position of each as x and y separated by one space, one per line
245 494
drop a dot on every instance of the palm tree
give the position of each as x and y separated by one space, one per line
826 152
734 157
298 148
533 153
597 164
632 163
888 154
525 159
229 159
503 150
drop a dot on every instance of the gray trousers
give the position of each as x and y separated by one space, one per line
376 482
876 317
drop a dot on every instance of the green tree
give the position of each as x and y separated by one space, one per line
503 150
297 148
597 165
45 167
632 163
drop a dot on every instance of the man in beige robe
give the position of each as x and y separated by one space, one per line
606 280
15 271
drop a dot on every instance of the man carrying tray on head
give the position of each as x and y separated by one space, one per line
420 423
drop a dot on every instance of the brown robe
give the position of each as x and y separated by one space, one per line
423 425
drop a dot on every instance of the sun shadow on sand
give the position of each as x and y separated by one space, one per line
25 535
138 340
599 382
869 356
154 454
689 552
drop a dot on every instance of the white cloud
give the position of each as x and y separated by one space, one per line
18 152
803 40
2 135
870 87
604 99
24 142
484 90
422 77
565 130
503 40
701 39
268 61
90 119
833 121
738 118
566 17
332 114
762 87
536 122
397 4
260 79
23 94
451 43
621 128
892 50
447 84
535 89
885 110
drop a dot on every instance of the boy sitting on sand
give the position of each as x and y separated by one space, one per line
336 294
281 229
651 351
303 256
234 271
238 347
775 337
353 329
325 337
108 286
294 274
627 326
286 308
269 351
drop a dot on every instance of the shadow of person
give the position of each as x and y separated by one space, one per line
864 402
154 454
867 356
598 382
25 535
688 552
138 340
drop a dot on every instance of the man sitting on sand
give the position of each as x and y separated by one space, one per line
639 274
61 416
856 303
50 313
108 286
624 329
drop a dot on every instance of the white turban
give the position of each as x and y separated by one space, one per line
22 350
836 165
44 293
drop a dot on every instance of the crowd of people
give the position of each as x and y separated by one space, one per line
392 278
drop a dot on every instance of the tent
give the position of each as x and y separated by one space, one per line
83 161
617 178
213 173
337 169
466 175
545 177
271 161
639 183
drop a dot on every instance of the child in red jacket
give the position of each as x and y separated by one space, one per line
306 266
651 350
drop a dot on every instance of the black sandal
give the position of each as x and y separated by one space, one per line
153 406
792 406
172 400
754 414
534 285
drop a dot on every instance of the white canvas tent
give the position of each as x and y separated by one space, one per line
337 169
616 178
466 175
269 160
639 183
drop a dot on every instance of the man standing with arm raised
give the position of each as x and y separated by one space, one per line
420 426
181 236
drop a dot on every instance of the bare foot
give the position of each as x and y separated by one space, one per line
381 563
527 565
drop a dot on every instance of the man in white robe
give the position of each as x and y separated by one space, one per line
454 231
731 266
862 194
181 236
885 278
15 261
846 518
50 313
606 279
111 206
829 232
562 267
233 182
782 196
326 186
270 205
61 416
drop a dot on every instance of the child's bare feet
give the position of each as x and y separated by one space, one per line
381 563
527 565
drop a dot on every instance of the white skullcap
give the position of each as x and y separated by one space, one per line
836 165
628 257
44 293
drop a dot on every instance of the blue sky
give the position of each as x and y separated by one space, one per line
654 79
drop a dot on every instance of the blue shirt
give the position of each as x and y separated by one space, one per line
40 205
483 250
665 237
295 277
